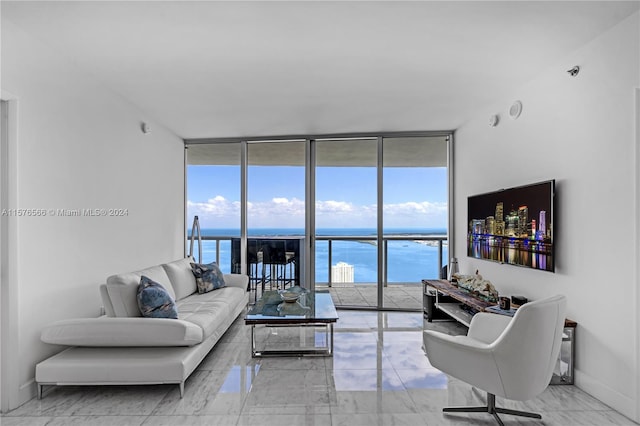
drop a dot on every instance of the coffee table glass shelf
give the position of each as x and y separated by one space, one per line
294 308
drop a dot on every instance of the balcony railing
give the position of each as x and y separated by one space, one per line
433 271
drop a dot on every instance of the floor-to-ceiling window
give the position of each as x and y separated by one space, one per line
378 206
276 213
213 177
415 215
346 217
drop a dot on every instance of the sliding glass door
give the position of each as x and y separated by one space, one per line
415 193
363 217
276 213
346 251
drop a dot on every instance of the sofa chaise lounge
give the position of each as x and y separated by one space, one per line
124 348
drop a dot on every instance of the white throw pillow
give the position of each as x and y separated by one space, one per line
182 279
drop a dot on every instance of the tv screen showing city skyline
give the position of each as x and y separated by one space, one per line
513 226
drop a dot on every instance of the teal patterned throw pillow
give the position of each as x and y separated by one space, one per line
154 300
208 277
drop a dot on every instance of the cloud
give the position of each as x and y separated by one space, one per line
425 214
279 212
278 206
334 207
282 212
414 208
217 206
218 212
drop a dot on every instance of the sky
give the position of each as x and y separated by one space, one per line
345 197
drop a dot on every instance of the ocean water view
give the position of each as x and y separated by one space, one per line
409 261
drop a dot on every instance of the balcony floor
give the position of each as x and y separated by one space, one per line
396 296
405 296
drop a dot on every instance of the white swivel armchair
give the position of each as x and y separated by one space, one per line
509 357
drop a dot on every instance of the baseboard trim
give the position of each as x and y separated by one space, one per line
624 404
26 392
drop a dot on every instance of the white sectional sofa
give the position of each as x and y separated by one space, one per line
122 347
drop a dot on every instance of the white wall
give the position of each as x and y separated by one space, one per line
581 132
79 146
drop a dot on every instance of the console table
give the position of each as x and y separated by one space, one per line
461 305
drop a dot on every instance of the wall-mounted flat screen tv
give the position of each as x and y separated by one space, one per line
513 226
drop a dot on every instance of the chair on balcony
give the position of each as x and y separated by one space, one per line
254 261
275 263
509 357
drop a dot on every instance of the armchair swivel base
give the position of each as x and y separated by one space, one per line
491 409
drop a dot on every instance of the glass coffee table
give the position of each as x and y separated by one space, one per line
295 307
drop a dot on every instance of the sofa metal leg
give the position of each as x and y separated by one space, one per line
491 409
181 386
39 386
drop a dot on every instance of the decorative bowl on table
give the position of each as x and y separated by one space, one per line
297 289
290 296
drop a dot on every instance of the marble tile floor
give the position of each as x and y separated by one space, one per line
378 375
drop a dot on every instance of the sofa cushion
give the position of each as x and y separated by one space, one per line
208 276
182 279
154 301
106 301
107 331
123 288
210 310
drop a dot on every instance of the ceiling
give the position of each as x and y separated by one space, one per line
211 69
